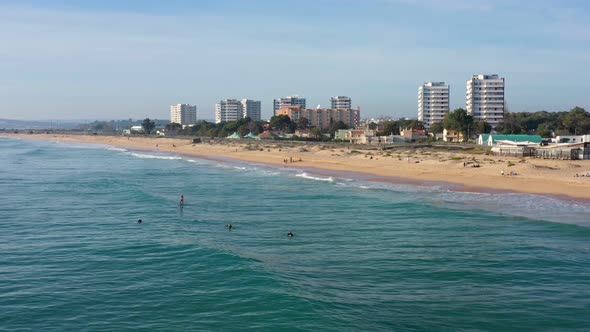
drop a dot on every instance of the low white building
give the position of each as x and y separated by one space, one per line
492 139
452 136
571 139
136 130
367 136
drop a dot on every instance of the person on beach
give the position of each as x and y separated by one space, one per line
181 201
502 172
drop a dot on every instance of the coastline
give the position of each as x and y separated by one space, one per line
423 167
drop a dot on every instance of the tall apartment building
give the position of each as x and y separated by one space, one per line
183 114
322 117
485 98
251 108
340 102
433 102
228 110
286 102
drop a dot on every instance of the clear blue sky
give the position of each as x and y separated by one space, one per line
130 58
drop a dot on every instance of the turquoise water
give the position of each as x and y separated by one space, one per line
366 256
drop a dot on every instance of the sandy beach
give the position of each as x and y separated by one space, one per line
422 166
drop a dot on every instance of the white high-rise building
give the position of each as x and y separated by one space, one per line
485 98
251 108
183 114
433 102
286 102
228 110
340 102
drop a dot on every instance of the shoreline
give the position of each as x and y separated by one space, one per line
553 178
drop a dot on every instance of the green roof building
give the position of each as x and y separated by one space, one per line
491 139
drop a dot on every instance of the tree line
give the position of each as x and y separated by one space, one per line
246 125
574 122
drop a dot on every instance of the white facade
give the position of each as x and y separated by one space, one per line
485 98
286 102
433 102
251 108
571 139
340 102
228 110
183 114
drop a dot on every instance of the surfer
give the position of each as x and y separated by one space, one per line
290 234
181 201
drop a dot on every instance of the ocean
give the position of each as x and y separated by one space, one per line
366 255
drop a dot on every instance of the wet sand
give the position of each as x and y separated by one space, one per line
421 166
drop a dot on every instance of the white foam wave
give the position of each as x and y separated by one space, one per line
153 156
112 148
515 204
315 178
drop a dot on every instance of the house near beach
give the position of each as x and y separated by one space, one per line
514 149
568 151
413 134
452 136
571 139
532 146
303 133
367 136
266 135
493 139
136 130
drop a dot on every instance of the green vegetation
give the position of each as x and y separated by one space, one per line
395 127
459 120
574 122
437 128
148 125
113 126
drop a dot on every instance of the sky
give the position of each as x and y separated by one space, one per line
119 59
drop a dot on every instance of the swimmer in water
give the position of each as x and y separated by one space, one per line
229 227
290 234
181 201
139 221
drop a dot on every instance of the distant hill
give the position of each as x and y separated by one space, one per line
24 124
